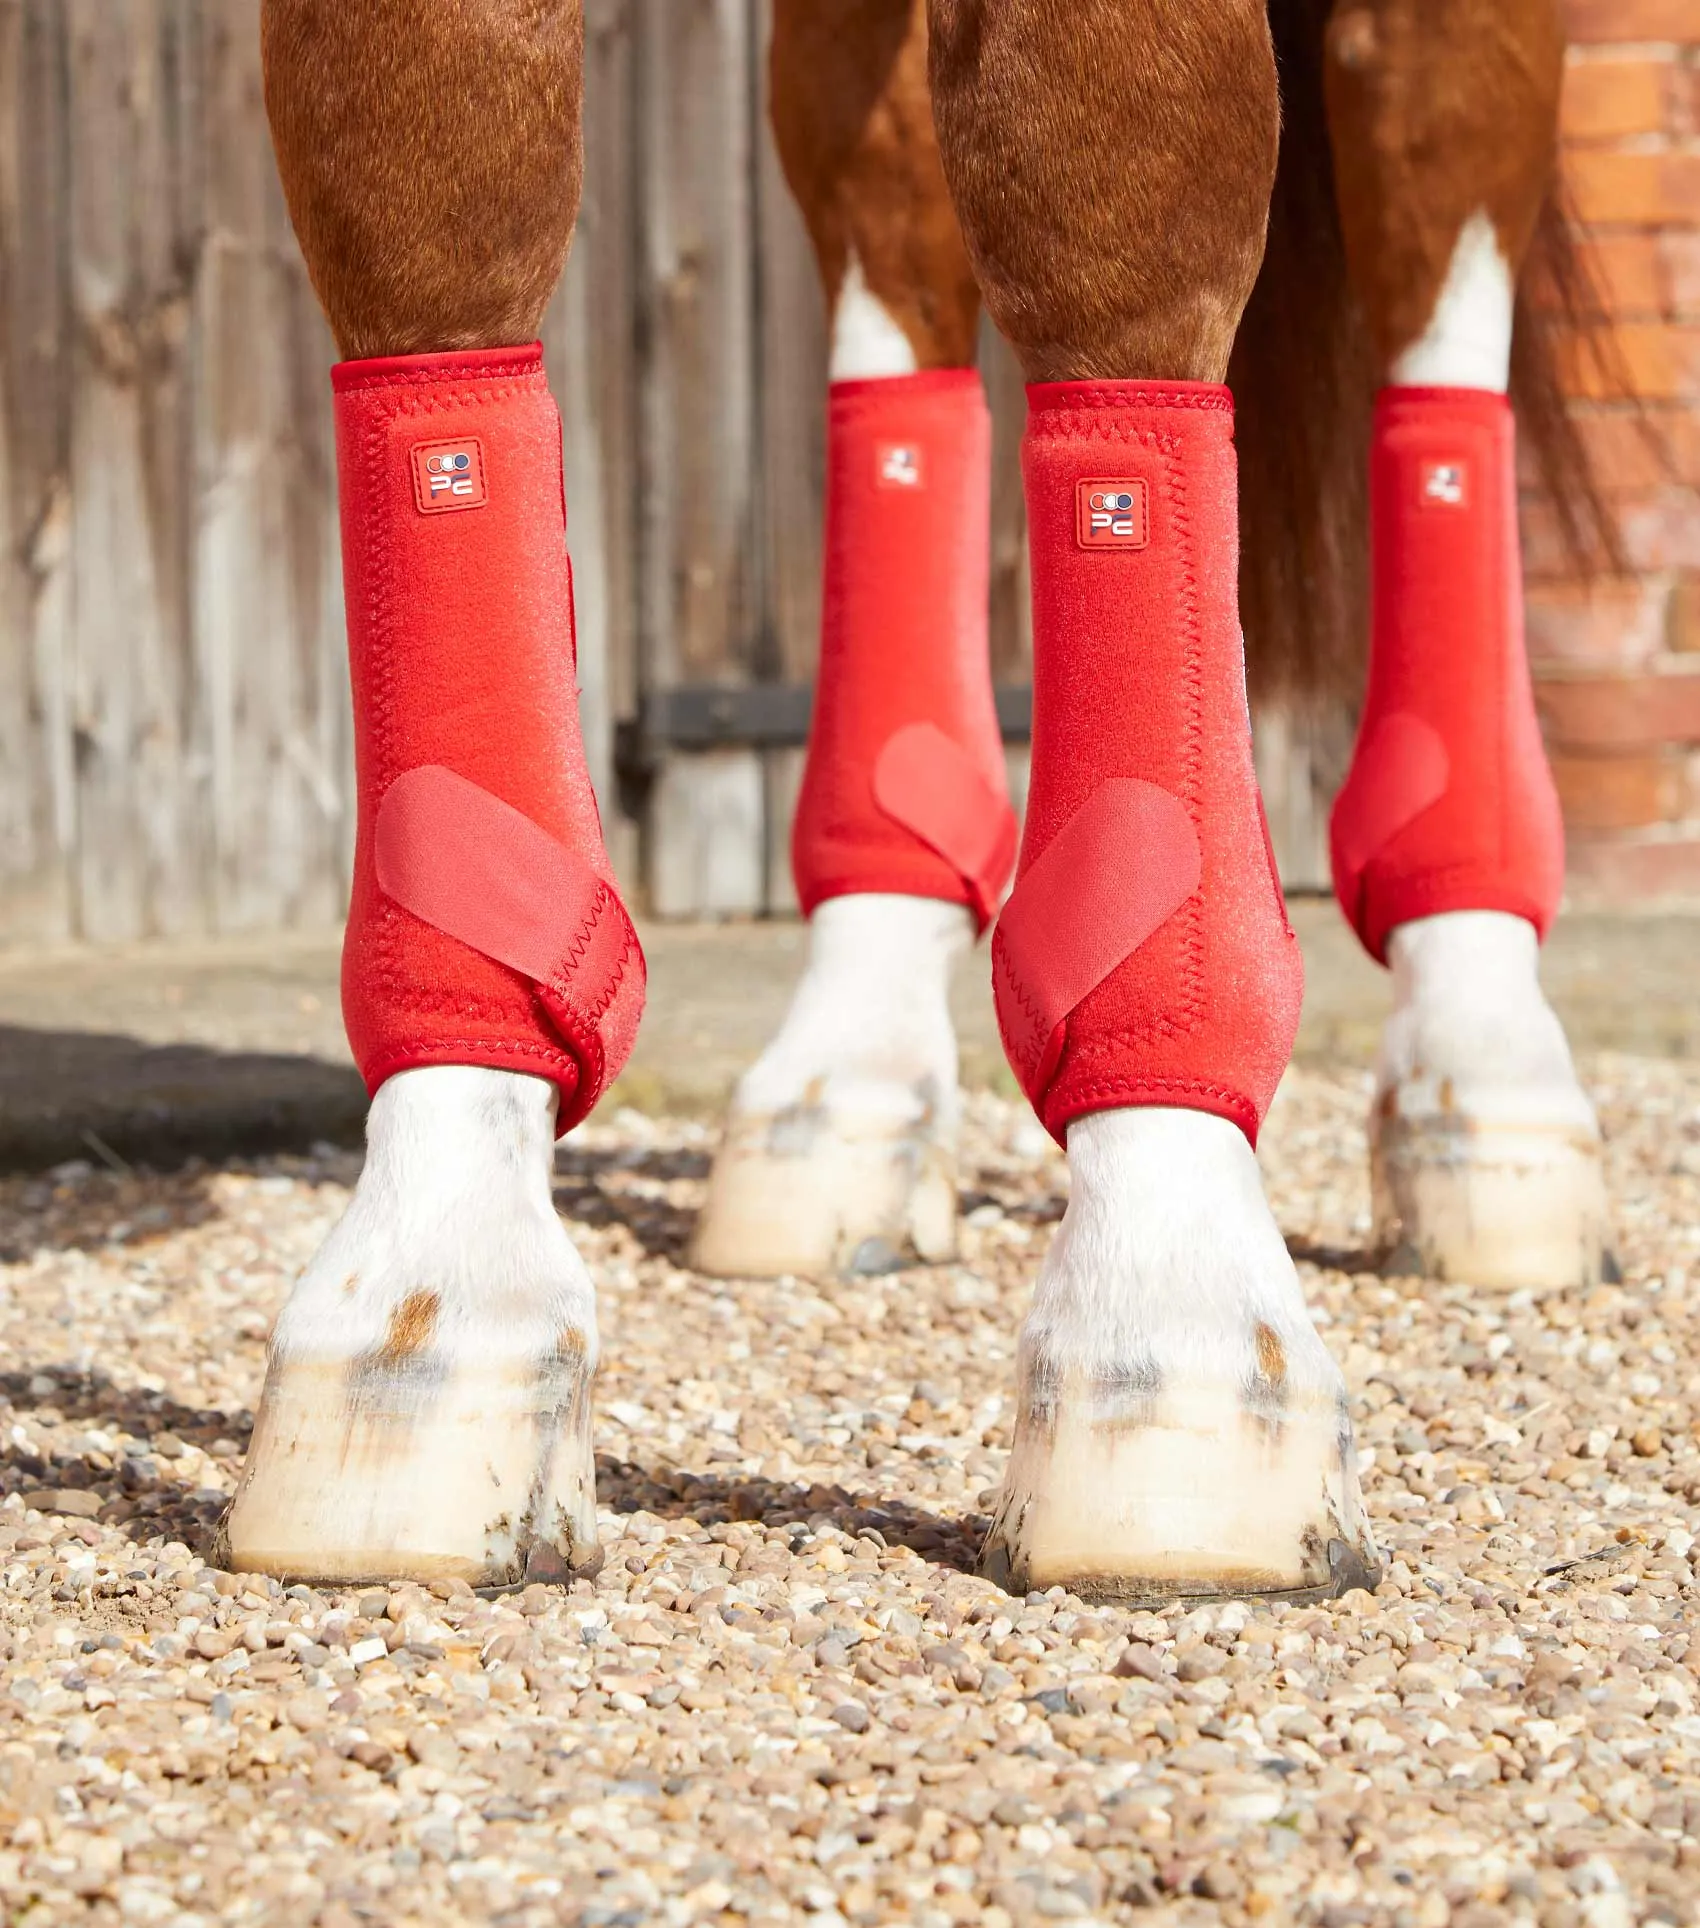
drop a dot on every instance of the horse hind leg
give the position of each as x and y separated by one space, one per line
1180 1428
1448 848
426 1405
839 1150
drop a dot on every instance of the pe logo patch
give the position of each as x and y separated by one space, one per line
1112 515
449 475
1444 485
897 465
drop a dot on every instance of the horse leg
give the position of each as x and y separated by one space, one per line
1448 847
1180 1428
426 1403
839 1152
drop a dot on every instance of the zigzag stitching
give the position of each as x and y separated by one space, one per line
380 660
1212 400
405 1052
1123 1087
425 378
1094 1085
1192 997
1164 1026
613 977
423 996
1035 1017
421 405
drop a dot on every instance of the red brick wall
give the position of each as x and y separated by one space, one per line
1617 669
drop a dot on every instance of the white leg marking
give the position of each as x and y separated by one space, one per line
1484 1147
426 1410
840 1150
1467 343
866 340
1181 1428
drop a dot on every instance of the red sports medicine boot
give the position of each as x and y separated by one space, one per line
426 1412
1145 956
840 1145
1449 804
904 786
485 927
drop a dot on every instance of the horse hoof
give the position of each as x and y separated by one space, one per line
1501 1206
425 1471
1181 1432
839 1156
1195 1497
1484 1149
426 1412
807 1193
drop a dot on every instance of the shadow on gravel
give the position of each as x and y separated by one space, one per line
1046 1209
1354 1261
604 1188
93 1209
93 1399
107 1097
130 1494
671 1494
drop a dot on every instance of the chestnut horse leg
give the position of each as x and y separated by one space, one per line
1180 1429
839 1152
426 1402
1448 848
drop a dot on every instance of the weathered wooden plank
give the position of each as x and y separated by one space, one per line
1301 760
696 300
706 812
782 783
37 785
592 357
140 852
269 707
790 400
699 551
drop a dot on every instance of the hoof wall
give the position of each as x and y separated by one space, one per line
1496 1207
482 1475
1199 1503
823 1203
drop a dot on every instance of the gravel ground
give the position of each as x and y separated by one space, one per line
788 1698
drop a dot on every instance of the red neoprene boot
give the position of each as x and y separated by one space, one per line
1449 804
1145 956
484 926
904 787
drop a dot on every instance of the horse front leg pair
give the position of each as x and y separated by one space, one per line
426 1409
